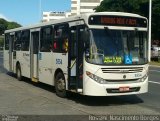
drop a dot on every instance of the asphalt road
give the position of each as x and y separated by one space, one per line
26 98
152 98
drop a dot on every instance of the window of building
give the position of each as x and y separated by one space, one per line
90 1
44 20
17 43
87 7
25 37
74 2
46 39
74 8
44 15
60 43
73 14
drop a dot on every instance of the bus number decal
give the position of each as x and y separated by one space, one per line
59 61
138 75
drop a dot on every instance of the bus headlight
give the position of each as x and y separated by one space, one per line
143 78
96 78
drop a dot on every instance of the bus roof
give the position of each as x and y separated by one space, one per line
74 18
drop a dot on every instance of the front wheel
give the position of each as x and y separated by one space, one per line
60 85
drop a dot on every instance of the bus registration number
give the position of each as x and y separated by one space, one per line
123 89
59 61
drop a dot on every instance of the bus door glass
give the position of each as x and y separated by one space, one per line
11 40
34 54
76 49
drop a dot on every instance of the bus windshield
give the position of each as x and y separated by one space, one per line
118 47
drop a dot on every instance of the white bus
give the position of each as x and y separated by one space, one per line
95 54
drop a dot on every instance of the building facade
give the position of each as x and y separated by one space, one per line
50 16
77 7
83 6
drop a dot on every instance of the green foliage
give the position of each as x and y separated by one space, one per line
1 41
120 5
12 25
135 6
155 20
131 6
5 25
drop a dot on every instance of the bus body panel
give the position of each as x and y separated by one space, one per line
6 59
60 62
23 57
46 68
49 63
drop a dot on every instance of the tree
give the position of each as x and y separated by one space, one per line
155 20
1 41
135 6
12 25
121 5
5 25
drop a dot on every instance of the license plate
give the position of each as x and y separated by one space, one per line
123 89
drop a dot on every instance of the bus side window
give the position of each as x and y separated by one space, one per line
25 40
60 42
17 44
46 39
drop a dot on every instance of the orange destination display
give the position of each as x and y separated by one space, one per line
117 21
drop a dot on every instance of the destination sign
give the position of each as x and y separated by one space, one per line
117 21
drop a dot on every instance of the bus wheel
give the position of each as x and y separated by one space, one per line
60 85
18 73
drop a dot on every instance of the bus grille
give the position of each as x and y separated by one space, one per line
119 81
122 70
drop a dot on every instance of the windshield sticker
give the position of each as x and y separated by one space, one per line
135 59
113 60
128 59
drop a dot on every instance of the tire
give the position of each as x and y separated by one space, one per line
19 73
60 85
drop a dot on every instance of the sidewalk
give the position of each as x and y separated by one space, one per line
154 66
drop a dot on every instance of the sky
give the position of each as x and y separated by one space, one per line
27 12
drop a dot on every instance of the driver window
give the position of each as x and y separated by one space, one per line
61 38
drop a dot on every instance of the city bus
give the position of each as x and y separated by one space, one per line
93 54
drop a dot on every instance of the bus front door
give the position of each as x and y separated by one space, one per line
75 62
34 55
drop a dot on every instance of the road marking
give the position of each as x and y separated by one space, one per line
154 82
154 71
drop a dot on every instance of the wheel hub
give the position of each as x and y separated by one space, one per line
60 84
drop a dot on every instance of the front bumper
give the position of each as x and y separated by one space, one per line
92 88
